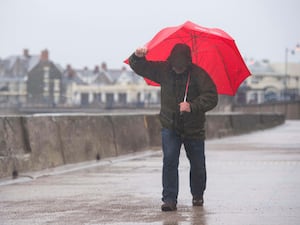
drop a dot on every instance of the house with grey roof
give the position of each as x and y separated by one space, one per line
30 80
44 83
270 82
108 88
13 78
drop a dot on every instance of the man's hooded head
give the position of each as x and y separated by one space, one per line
180 57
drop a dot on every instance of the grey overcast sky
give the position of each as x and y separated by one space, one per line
89 32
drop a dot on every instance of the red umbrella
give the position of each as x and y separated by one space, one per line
212 49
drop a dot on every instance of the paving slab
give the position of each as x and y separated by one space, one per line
253 179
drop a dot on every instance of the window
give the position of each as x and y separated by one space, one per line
122 98
56 87
46 81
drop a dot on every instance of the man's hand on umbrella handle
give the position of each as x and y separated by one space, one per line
141 52
184 107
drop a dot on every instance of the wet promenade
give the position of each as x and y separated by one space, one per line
252 179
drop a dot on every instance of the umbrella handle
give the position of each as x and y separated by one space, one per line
187 87
186 90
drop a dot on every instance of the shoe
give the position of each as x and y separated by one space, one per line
198 201
168 206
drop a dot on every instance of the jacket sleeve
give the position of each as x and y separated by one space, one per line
208 97
148 69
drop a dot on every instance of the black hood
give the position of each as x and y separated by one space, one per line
180 56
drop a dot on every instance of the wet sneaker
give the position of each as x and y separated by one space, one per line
168 206
198 201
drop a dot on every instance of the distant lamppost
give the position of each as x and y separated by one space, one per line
287 51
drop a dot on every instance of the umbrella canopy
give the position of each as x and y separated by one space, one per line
212 49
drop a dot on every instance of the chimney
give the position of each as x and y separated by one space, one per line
96 70
70 71
104 66
44 55
26 53
69 67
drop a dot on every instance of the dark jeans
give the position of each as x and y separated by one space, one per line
171 144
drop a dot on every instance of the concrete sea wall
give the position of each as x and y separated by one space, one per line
291 110
33 143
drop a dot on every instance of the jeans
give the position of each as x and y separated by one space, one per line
171 145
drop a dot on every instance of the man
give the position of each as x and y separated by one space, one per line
187 92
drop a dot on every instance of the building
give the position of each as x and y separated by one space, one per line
30 80
270 83
36 81
13 78
105 88
44 83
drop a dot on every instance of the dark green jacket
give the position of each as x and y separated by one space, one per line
202 95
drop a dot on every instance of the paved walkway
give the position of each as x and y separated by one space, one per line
252 179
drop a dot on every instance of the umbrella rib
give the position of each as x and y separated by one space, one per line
226 70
